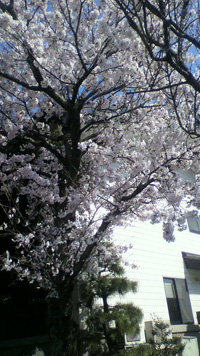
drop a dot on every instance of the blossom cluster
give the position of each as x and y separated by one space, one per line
84 143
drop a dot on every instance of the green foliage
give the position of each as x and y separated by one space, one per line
110 281
126 317
139 350
107 324
163 343
108 285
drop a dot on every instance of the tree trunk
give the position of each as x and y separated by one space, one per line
106 327
63 322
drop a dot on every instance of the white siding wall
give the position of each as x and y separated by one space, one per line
154 259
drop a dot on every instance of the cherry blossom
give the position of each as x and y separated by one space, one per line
85 142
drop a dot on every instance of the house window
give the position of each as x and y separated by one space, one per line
194 224
131 338
178 301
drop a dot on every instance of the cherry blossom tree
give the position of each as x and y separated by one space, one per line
85 144
169 31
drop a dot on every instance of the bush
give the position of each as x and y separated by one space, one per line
162 344
139 350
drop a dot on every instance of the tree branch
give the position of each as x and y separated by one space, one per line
169 55
48 90
9 9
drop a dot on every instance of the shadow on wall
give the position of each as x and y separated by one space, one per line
191 346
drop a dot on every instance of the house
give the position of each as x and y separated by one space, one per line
168 276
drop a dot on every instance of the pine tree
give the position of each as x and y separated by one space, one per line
107 323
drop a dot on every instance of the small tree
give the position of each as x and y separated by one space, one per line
164 344
109 322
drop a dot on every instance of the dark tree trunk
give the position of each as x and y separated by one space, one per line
106 327
63 322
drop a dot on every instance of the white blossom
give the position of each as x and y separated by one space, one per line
129 146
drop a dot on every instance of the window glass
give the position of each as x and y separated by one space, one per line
178 301
169 288
184 301
194 224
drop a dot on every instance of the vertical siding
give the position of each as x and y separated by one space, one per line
154 259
